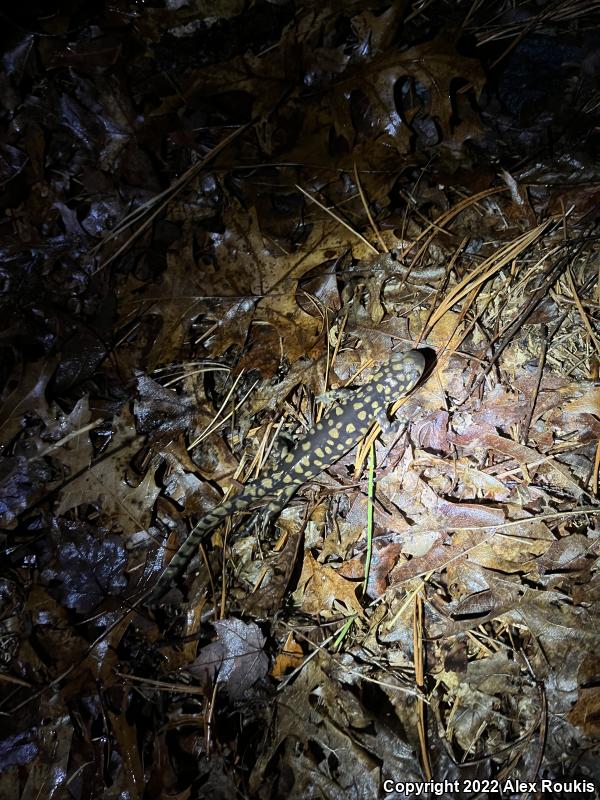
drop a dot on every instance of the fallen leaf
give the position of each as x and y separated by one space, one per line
320 588
104 483
235 660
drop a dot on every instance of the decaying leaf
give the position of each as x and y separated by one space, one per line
84 568
104 483
313 717
291 657
24 394
320 589
236 659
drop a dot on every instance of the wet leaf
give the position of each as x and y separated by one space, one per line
24 394
85 569
236 659
104 483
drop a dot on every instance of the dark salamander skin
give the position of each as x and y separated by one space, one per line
339 430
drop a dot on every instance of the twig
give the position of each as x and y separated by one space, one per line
538 380
338 219
384 247
420 682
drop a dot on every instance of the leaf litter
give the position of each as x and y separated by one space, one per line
211 218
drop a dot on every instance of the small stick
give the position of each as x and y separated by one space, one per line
538 381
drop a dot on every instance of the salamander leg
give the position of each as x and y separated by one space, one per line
392 426
286 443
328 398
262 518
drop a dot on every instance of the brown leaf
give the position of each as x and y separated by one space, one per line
126 735
289 658
25 394
160 412
75 451
585 714
105 483
320 588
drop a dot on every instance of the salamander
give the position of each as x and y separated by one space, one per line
339 430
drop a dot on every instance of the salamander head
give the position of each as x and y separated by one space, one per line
402 372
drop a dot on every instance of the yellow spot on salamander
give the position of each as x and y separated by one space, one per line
350 428
339 411
319 452
380 388
306 446
328 449
299 469
289 458
334 433
360 404
287 478
362 415
267 483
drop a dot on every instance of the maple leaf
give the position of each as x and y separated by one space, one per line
236 659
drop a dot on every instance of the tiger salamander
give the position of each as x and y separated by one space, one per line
326 442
